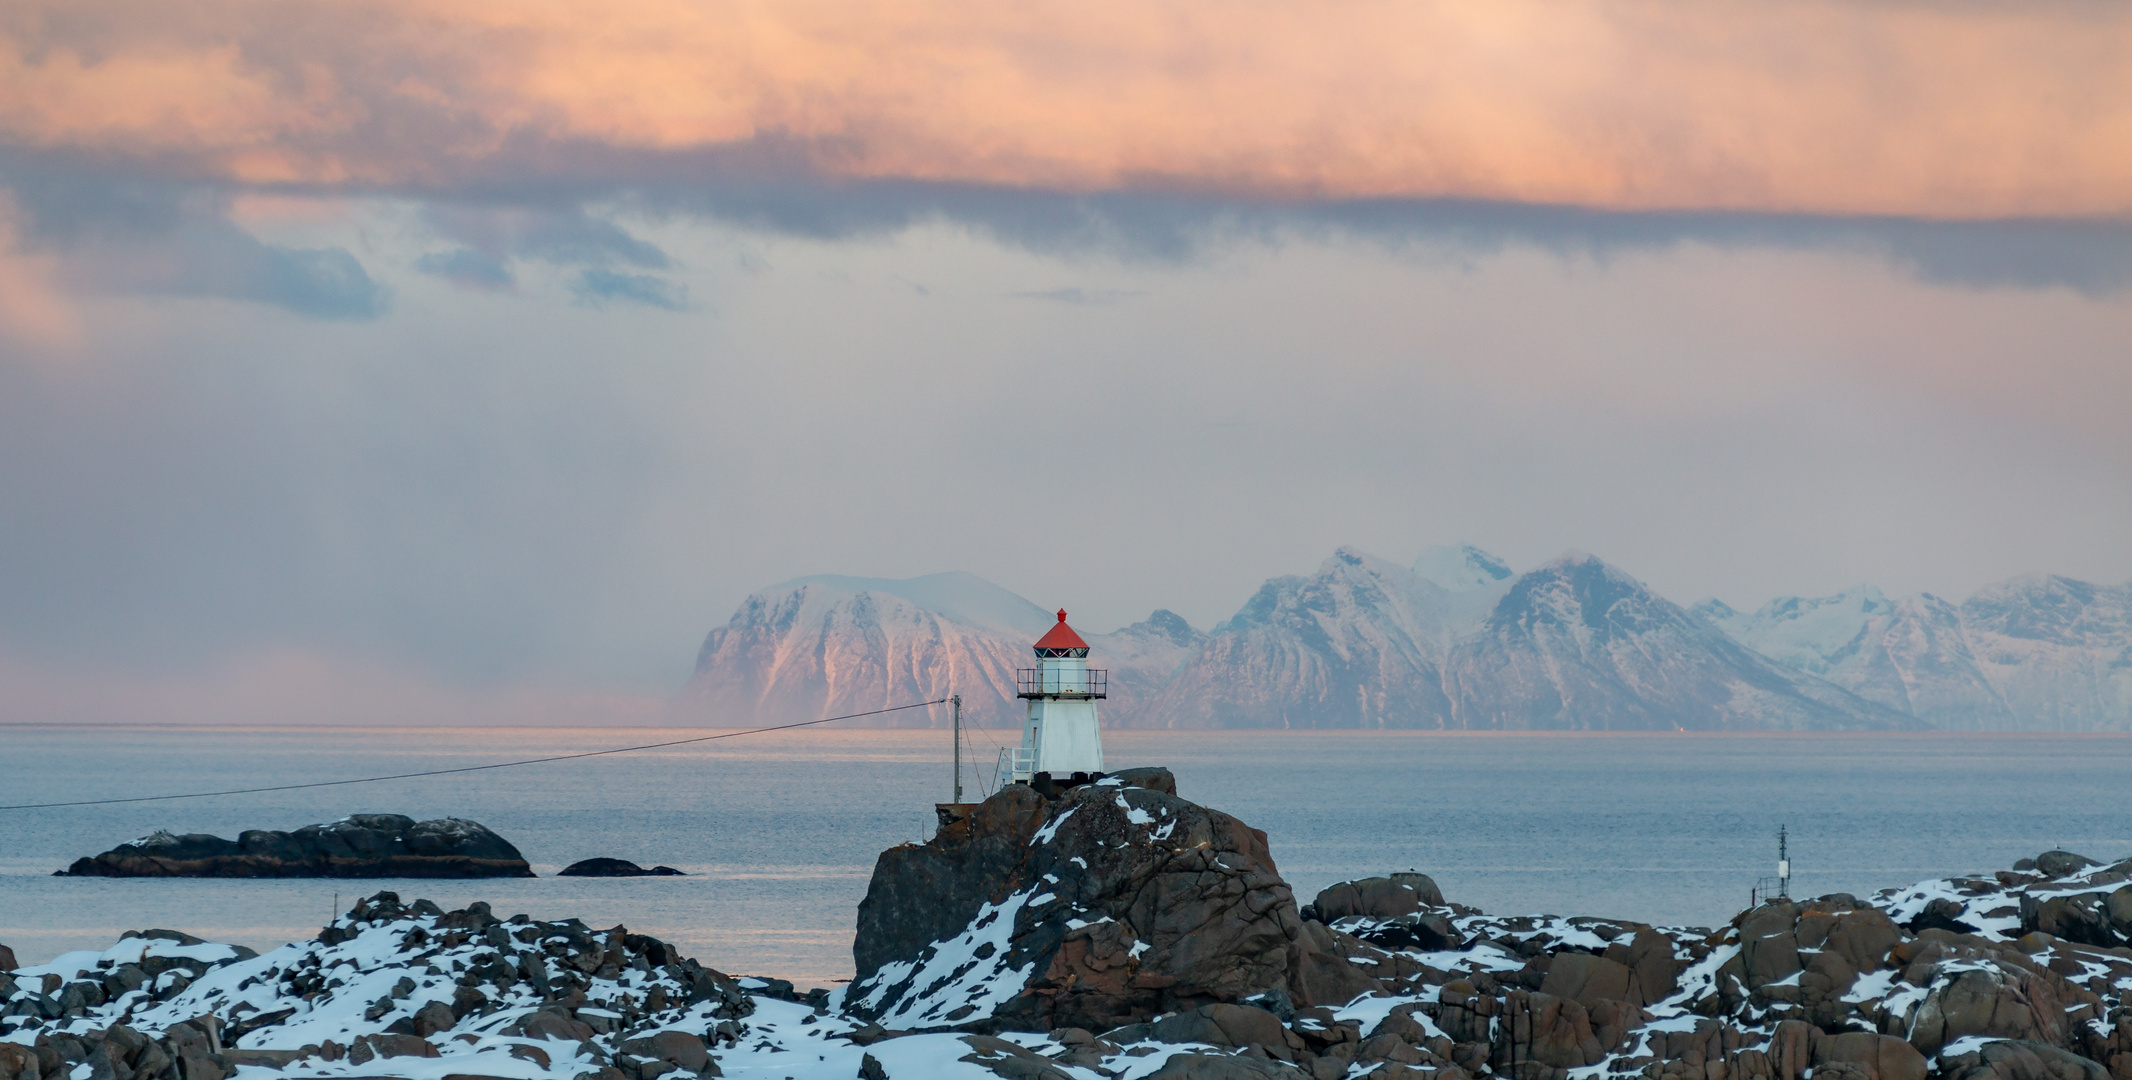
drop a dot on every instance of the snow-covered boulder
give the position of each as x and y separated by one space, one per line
442 993
1105 906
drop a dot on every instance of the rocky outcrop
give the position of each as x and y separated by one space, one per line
1107 905
605 867
1379 897
388 980
1836 986
1121 902
357 846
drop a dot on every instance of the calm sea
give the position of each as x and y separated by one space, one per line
778 833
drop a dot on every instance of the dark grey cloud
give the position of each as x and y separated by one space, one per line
536 202
562 234
129 235
2093 257
596 288
771 183
465 266
1078 296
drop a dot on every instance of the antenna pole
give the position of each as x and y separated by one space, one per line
956 701
1783 864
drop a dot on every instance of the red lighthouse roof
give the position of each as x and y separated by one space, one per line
1060 640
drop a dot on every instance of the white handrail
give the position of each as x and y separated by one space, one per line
1016 763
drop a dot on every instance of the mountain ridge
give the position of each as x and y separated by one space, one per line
2036 652
1364 642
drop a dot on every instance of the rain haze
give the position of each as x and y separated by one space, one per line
470 361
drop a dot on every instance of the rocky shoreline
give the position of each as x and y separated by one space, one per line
1117 930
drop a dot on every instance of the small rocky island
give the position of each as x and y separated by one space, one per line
1116 931
606 867
357 846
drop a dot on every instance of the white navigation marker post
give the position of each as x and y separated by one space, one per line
1783 864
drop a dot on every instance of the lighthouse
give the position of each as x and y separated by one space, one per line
1060 741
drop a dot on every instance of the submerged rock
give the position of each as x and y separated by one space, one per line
357 846
1105 906
605 867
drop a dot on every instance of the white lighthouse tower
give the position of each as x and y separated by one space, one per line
1060 741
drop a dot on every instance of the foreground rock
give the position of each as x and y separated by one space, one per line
604 867
1108 905
2016 976
1119 932
1121 921
388 980
357 846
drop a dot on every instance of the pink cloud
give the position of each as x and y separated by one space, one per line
1807 106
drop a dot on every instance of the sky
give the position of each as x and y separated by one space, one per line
468 361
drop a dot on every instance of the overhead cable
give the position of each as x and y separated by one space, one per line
480 768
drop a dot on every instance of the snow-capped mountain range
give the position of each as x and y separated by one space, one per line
1456 641
2035 653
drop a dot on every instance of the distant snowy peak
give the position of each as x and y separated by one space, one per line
1163 629
1582 645
830 645
2034 653
1803 633
1460 567
1346 586
2053 610
961 597
1356 644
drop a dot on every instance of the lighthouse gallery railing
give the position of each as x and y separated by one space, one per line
1067 683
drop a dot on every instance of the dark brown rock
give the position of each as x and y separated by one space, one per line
272 1059
549 1024
1884 1057
1863 938
367 1047
1655 974
677 1048
2079 917
1127 902
1553 1032
605 867
1151 777
1216 1067
1588 979
2020 1059
1769 947
432 1018
1013 1062
359 846
2118 909
1378 897
1995 1004
1791 1049
1227 1025
2061 863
